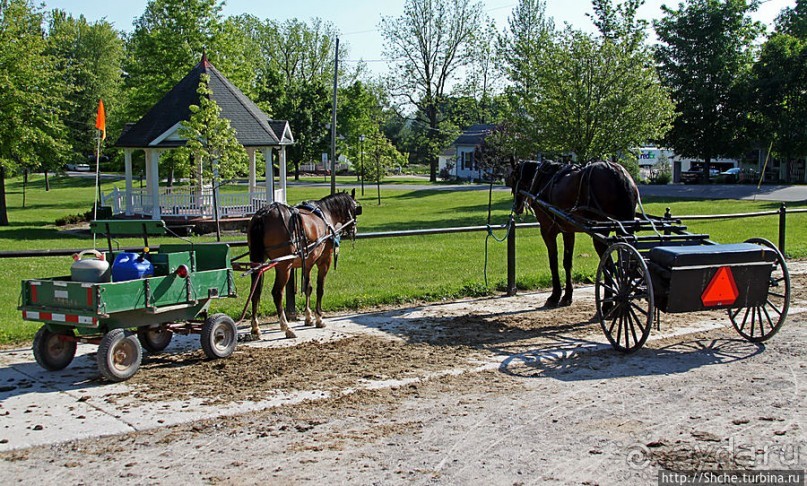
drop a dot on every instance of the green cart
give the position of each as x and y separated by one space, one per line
124 317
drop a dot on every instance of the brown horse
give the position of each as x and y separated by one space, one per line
306 235
597 191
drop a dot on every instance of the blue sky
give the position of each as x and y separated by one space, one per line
357 20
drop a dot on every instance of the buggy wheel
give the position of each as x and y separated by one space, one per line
119 355
219 336
54 350
154 339
624 297
760 323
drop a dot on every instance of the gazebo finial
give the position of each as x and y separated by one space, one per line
205 62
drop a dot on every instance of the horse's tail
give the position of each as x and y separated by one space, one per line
255 230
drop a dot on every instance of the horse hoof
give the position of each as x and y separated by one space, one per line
565 303
290 334
320 324
551 304
309 322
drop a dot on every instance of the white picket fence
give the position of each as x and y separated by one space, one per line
187 204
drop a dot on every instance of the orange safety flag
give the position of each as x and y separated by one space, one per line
100 119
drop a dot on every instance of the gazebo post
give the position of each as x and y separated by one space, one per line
270 176
153 175
252 153
127 164
282 164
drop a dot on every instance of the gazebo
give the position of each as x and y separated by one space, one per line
157 133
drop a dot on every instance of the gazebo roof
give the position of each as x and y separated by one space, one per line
157 129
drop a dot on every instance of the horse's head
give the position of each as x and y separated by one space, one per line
520 179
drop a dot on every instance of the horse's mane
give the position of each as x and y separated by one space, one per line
339 205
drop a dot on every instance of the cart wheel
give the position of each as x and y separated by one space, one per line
624 296
760 323
154 338
119 355
52 351
219 336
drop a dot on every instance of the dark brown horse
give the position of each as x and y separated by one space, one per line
597 191
306 235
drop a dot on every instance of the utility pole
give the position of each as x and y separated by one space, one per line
333 118
361 148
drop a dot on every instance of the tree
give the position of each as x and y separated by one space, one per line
211 141
427 45
167 41
595 96
211 144
705 54
30 126
294 80
88 58
779 91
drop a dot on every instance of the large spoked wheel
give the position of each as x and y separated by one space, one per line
624 296
154 339
119 355
760 323
54 350
219 336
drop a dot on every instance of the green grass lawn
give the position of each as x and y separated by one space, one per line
373 271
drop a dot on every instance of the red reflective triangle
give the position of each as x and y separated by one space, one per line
722 290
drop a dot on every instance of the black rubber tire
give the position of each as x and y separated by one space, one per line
624 296
219 336
778 302
154 339
51 351
119 355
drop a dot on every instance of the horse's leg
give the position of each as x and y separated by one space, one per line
309 321
257 283
551 242
568 253
322 270
281 278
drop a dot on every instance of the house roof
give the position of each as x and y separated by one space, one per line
474 135
252 126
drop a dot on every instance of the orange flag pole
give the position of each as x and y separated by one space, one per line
100 124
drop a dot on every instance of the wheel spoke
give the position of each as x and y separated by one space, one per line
636 306
641 323
745 319
768 316
781 296
613 323
619 330
632 328
774 307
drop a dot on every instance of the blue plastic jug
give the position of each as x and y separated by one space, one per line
130 266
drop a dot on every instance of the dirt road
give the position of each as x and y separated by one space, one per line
486 391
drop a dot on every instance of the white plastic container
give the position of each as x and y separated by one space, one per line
95 270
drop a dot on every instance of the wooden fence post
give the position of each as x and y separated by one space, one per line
511 258
782 227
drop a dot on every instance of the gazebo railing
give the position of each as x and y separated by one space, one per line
190 205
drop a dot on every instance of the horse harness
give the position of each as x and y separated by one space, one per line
297 237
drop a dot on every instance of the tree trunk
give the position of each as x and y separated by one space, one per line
47 181
432 137
707 165
3 207
24 185
296 170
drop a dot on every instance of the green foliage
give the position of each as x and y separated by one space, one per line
31 130
88 61
594 96
168 40
211 141
779 90
705 53
427 45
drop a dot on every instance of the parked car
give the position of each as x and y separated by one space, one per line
696 176
730 176
79 167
